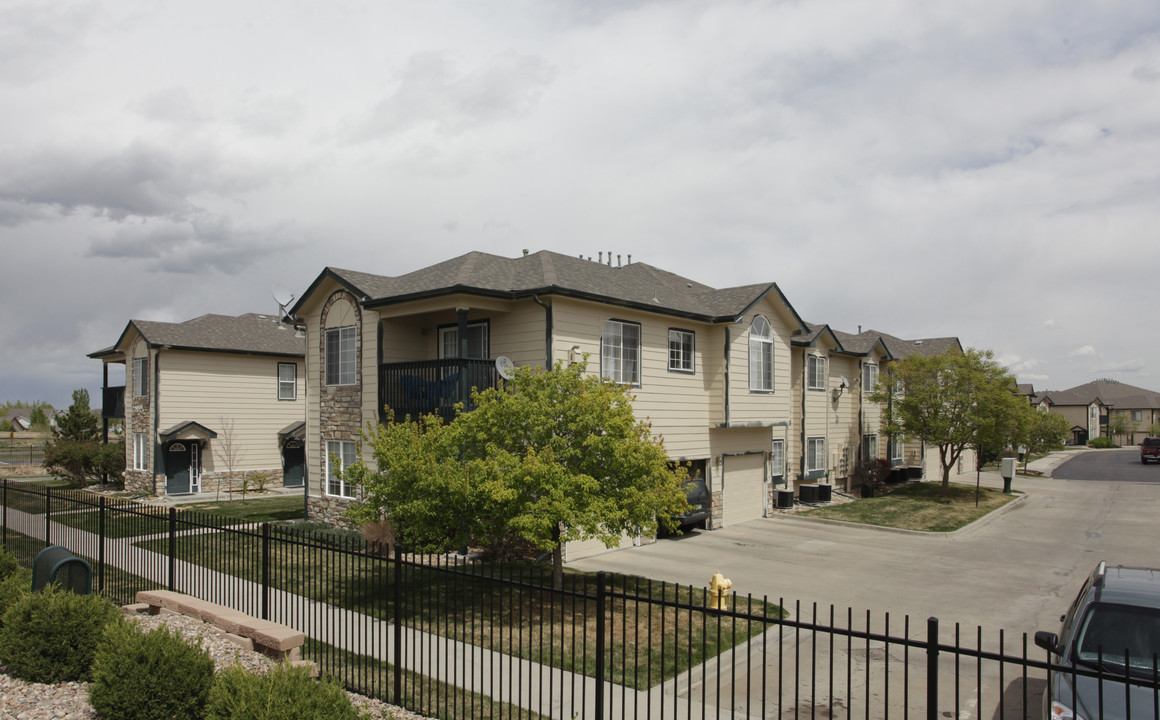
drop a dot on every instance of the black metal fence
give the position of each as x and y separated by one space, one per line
450 638
433 386
21 452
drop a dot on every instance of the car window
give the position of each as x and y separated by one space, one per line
1110 632
1152 442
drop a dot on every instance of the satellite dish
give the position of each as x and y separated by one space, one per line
283 297
505 367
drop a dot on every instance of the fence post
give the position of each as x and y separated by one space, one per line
47 516
397 616
601 589
265 571
101 544
5 517
172 548
932 668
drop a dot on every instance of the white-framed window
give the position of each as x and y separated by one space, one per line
869 447
816 372
620 352
287 381
140 376
478 340
339 454
1137 415
140 451
681 350
760 355
896 450
815 455
340 356
777 459
869 377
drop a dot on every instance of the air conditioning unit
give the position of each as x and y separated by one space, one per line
825 492
809 494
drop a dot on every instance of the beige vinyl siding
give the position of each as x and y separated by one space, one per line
370 367
211 388
738 471
677 404
515 329
519 333
746 406
844 433
579 549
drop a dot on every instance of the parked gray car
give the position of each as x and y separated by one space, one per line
1107 649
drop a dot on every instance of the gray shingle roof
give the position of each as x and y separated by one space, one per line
250 333
633 285
1109 392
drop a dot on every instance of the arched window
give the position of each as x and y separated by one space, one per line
760 355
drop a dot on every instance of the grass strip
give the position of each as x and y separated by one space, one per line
919 506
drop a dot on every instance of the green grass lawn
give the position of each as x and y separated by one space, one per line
649 641
124 520
918 506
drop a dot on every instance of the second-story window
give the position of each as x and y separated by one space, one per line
140 376
760 354
869 377
477 341
340 358
680 350
816 372
287 381
620 352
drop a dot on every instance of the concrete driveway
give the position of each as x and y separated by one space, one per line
1017 569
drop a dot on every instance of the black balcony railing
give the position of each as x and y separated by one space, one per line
113 402
433 386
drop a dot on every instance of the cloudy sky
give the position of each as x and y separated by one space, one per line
989 169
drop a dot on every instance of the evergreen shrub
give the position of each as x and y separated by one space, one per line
51 636
286 693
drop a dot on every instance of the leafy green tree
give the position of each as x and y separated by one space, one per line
76 453
953 401
1118 425
551 457
38 419
1046 432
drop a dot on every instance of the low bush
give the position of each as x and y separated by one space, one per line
1102 443
8 564
286 693
50 636
12 588
156 675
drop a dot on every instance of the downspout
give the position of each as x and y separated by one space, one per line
861 412
802 458
378 372
306 421
158 460
547 331
728 344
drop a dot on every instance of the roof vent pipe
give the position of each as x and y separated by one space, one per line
630 258
600 257
859 329
525 252
609 258
618 260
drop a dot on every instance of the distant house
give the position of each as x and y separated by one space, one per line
1095 407
206 398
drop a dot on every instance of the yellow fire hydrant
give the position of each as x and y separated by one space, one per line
718 586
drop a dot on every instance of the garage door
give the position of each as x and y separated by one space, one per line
743 489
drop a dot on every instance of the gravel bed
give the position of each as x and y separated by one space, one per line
21 700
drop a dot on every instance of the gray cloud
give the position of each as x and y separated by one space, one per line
142 179
432 92
39 39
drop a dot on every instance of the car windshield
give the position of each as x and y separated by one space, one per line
1152 442
1109 632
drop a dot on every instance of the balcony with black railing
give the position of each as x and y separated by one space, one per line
433 386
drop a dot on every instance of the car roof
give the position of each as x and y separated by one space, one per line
1127 586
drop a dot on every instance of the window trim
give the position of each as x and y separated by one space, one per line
764 344
813 375
692 354
140 456
441 329
868 384
776 472
293 381
141 376
813 472
604 372
869 439
343 487
337 380
896 443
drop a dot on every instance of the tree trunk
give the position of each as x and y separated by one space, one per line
557 560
